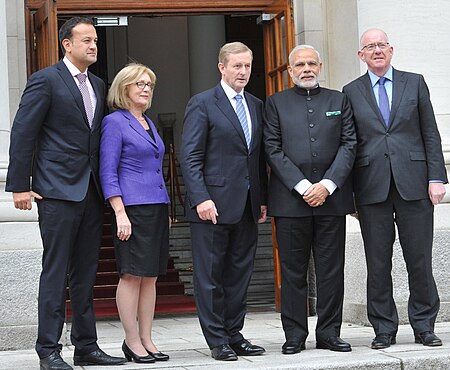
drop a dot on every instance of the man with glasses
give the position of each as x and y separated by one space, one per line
399 177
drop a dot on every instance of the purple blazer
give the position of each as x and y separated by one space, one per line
131 161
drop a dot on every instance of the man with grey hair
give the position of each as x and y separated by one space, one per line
399 177
310 145
225 177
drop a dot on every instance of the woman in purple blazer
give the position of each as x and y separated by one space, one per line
131 154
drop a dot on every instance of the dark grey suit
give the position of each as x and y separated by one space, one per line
310 135
51 139
392 171
217 165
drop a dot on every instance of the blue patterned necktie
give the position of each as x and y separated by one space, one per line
383 100
86 97
240 111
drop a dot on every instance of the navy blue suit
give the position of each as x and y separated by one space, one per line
218 166
52 141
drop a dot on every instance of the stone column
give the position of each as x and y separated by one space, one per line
20 244
206 37
4 102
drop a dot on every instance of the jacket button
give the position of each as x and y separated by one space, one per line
308 98
314 170
313 139
160 186
157 155
158 170
311 125
311 110
314 154
386 155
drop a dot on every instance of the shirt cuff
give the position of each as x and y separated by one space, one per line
430 181
330 185
302 186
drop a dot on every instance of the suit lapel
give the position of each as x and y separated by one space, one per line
136 126
98 113
73 88
367 91
398 88
227 109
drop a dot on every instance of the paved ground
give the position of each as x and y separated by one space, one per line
181 338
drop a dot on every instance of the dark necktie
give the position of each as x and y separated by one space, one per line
240 111
86 97
383 100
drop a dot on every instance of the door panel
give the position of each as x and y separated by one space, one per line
278 42
161 7
42 29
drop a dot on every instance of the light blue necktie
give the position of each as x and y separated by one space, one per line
383 100
240 111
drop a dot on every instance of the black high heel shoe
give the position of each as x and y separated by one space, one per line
158 356
129 355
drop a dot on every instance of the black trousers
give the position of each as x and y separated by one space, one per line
223 258
414 220
71 234
296 237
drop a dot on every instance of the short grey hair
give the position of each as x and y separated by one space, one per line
302 47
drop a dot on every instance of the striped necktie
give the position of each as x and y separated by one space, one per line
242 116
86 97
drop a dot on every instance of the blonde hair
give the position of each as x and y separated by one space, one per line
232 48
118 92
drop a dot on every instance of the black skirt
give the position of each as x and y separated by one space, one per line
147 251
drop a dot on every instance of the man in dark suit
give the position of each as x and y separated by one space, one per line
399 176
226 183
55 138
310 146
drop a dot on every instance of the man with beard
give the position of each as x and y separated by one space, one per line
310 145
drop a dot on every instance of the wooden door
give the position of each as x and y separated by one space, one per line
278 42
42 46
42 30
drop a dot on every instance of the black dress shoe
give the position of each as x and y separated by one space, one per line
54 362
159 356
334 344
130 355
223 353
245 348
383 340
97 357
292 345
428 338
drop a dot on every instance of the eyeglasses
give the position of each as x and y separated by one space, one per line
372 47
142 84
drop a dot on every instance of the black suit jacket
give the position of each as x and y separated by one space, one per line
309 136
51 138
409 149
215 160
